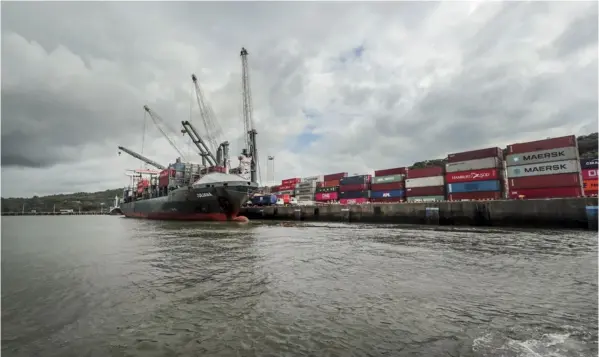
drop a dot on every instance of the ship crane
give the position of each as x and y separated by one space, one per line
161 125
251 150
142 158
213 130
205 152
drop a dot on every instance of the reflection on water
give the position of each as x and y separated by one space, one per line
108 286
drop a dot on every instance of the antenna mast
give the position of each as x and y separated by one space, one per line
248 120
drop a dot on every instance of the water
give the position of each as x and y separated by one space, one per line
109 286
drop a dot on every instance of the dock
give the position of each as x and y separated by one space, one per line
542 213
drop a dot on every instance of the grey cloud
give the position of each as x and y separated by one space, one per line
581 33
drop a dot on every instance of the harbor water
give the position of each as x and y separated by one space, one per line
111 286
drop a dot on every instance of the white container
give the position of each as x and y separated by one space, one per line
537 157
308 184
313 178
478 164
425 182
425 198
546 168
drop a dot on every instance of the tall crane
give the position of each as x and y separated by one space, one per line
213 130
142 158
248 122
161 125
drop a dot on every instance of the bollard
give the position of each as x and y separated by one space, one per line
591 217
432 215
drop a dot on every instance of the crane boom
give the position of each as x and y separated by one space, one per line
142 158
197 140
248 120
159 122
213 130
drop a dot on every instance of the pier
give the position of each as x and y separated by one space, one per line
542 213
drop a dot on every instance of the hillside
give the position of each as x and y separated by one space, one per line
587 146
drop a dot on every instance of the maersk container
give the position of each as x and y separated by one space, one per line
354 194
546 168
388 179
476 186
536 157
425 198
355 180
478 164
387 194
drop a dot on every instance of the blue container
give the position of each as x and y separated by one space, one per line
354 194
387 194
355 180
589 163
265 200
476 186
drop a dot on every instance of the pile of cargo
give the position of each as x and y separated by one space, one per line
590 183
354 189
547 168
475 175
328 190
388 185
306 188
425 184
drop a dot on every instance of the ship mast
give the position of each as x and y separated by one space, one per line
248 122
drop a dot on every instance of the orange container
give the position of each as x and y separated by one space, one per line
590 185
331 183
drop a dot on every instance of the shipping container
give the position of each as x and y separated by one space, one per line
265 200
546 144
304 198
305 191
425 198
312 178
354 194
476 186
164 177
589 174
332 177
472 175
387 186
394 171
425 172
473 196
309 184
388 200
425 181
327 189
478 164
286 198
291 181
355 180
552 192
536 157
426 191
387 194
326 196
545 181
330 183
361 187
546 168
475 155
590 185
589 164
287 187
353 201
387 179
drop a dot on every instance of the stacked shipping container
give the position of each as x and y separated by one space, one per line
304 191
544 169
590 180
354 189
474 175
388 185
328 190
426 184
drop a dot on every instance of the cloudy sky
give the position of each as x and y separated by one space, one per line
336 87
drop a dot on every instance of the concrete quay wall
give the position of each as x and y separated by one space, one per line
546 213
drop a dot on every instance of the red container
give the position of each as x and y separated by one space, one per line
473 175
467 196
332 177
475 155
546 144
326 196
285 198
163 177
425 191
216 169
551 192
331 183
589 174
349 188
387 200
590 193
291 181
388 172
388 186
425 172
591 185
545 181
287 187
353 201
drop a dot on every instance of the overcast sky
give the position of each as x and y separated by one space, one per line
336 87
